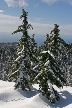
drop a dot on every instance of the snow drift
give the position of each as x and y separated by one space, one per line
10 98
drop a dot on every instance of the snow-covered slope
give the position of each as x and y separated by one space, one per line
10 98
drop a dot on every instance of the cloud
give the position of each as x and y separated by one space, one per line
49 1
66 29
38 19
68 1
1 11
10 23
7 19
53 1
13 3
22 3
41 28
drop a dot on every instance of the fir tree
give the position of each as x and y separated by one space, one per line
61 52
49 74
56 42
22 71
49 71
58 47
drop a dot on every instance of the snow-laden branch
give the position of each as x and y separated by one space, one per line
14 73
48 53
18 59
37 76
47 63
21 50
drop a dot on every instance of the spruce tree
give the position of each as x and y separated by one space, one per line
56 42
58 47
49 74
61 52
22 71
49 71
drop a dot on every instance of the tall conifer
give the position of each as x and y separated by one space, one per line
22 71
49 70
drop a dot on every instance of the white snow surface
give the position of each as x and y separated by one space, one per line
10 98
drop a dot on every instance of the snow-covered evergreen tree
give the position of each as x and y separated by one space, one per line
49 70
49 74
58 47
22 71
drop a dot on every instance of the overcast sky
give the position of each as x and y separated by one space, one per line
42 14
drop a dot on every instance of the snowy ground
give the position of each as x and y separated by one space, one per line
10 98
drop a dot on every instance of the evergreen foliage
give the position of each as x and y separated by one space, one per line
34 51
43 65
54 42
68 65
49 69
22 71
49 74
58 47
